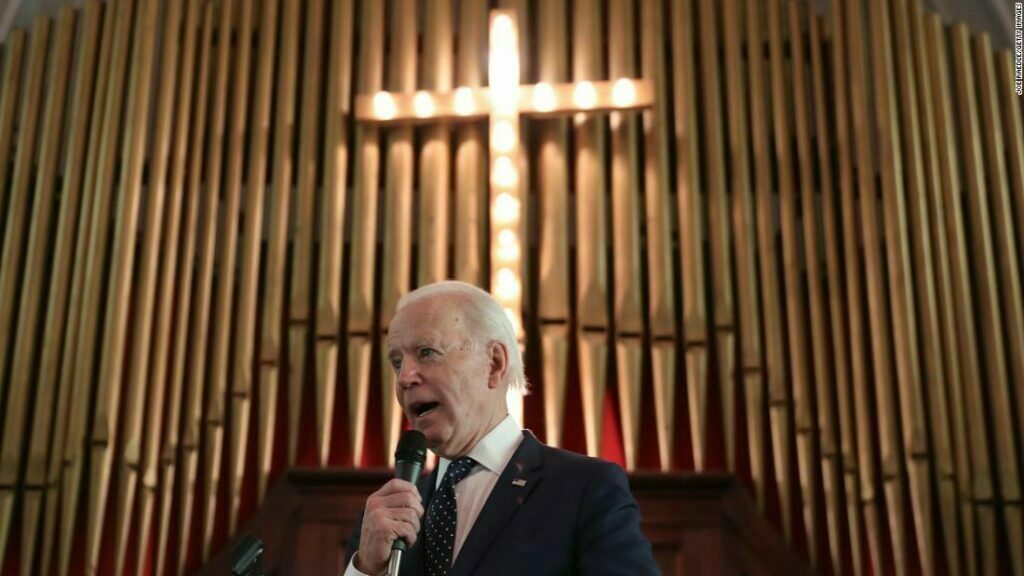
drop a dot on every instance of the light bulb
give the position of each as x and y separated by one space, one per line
505 173
507 238
585 95
506 209
464 103
544 97
503 136
384 106
423 104
503 33
507 286
624 92
508 246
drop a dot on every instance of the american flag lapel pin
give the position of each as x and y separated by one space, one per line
519 482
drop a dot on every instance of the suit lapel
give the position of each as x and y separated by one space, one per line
519 478
412 559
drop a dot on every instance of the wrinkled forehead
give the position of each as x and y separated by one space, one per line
433 321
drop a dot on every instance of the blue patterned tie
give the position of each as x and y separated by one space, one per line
439 531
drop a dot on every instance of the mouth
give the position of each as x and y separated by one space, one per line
420 409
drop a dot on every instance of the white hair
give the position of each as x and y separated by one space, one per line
487 322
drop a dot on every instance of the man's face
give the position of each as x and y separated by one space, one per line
443 383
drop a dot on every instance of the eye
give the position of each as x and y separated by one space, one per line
427 352
396 362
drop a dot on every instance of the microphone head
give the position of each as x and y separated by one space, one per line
412 447
245 558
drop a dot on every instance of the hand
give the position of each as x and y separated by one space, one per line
392 512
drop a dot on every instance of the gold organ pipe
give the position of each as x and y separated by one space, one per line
218 394
188 149
141 397
208 387
552 163
307 168
271 351
329 306
242 378
15 444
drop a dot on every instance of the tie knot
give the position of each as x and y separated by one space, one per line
459 469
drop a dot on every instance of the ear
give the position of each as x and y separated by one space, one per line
497 365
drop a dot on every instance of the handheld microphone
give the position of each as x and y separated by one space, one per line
410 454
245 559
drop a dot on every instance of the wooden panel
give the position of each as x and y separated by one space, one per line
328 318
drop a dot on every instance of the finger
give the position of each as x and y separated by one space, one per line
406 531
408 516
396 486
401 500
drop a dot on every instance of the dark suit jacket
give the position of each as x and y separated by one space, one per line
573 515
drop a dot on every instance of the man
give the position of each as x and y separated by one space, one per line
499 501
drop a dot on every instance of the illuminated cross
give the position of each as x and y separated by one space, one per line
503 101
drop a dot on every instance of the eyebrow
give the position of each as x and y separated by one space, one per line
391 348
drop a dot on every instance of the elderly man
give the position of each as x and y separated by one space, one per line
499 501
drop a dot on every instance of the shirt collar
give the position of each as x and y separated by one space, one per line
494 450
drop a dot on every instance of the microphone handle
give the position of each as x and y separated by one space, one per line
394 562
410 471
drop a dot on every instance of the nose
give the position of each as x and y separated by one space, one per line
408 374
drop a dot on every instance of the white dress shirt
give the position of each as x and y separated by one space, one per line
492 453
